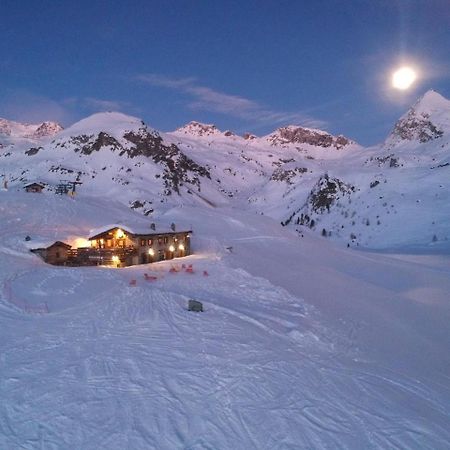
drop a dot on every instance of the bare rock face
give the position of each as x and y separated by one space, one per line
324 194
300 135
249 136
46 129
426 120
177 167
416 127
287 175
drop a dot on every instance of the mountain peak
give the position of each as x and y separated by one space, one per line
109 122
431 101
427 119
47 129
25 130
199 129
293 134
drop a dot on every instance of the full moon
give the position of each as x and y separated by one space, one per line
403 78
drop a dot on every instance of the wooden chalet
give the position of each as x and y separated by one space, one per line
57 253
120 246
34 187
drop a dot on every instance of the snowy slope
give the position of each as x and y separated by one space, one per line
111 155
301 345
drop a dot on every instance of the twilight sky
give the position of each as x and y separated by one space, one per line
243 65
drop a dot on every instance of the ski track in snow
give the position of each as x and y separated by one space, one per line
134 369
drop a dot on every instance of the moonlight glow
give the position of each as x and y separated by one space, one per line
403 78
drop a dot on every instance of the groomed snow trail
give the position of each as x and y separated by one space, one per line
117 366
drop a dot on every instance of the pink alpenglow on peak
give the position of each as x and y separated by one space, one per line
14 129
292 134
199 129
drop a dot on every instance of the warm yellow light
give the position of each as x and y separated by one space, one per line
81 242
403 78
181 247
115 259
171 248
119 233
151 252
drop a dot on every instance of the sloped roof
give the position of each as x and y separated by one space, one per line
135 231
46 245
35 184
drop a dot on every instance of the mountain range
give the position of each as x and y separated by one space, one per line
392 195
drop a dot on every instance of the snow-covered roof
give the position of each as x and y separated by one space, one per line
35 183
38 244
135 230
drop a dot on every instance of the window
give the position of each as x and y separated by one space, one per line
143 241
150 242
166 240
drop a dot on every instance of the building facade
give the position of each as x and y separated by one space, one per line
34 187
127 248
118 246
56 254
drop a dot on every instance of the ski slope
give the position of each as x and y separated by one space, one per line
301 345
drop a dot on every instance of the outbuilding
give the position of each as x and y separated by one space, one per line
56 253
34 187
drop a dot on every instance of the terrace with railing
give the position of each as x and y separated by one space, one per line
89 256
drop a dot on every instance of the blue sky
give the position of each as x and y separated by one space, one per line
243 65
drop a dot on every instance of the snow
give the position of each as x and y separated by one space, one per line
10 128
133 230
301 345
432 102
108 122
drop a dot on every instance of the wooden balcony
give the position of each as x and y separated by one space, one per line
87 256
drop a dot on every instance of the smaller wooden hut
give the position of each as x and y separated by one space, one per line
56 253
34 187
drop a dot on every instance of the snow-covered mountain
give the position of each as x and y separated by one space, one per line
14 129
428 119
368 197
